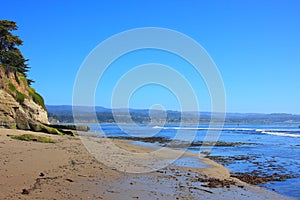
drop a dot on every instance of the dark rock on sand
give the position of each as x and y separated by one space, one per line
25 191
254 178
70 127
216 183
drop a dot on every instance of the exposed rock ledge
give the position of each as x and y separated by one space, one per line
20 115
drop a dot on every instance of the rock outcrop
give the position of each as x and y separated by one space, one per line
20 115
21 107
26 115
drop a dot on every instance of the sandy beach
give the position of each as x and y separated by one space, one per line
66 170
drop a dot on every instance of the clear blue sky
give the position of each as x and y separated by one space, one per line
255 44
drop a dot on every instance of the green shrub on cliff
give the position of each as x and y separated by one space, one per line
11 87
20 96
38 99
23 79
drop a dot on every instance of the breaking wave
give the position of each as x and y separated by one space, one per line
276 132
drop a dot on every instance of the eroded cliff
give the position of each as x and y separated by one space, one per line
20 105
16 114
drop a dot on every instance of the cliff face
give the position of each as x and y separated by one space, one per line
15 113
20 105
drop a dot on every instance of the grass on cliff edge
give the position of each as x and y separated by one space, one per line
30 137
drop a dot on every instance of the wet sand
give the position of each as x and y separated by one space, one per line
66 170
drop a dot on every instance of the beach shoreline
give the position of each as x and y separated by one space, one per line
66 170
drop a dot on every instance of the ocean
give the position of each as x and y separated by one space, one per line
264 150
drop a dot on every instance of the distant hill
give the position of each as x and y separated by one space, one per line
67 109
64 113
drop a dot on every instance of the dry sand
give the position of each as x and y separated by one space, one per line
66 170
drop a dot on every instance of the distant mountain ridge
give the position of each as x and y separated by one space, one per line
68 109
64 113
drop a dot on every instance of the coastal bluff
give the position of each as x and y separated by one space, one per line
21 107
20 114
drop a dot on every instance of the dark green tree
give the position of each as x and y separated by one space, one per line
11 58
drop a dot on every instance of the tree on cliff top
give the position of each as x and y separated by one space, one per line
11 58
